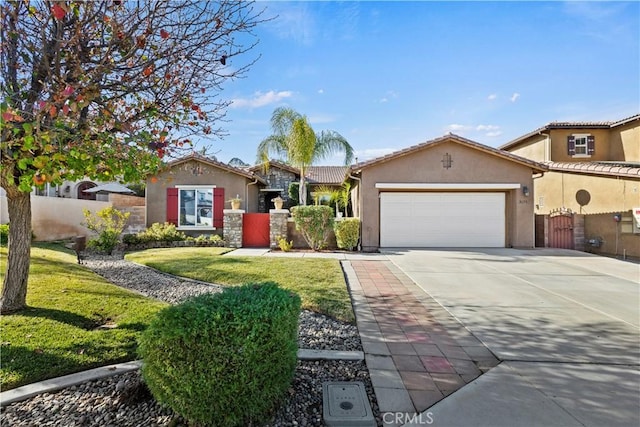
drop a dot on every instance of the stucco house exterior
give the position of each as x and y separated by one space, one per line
594 172
601 160
193 191
447 192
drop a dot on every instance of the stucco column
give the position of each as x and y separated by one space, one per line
277 225
232 227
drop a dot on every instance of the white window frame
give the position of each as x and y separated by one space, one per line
194 188
583 146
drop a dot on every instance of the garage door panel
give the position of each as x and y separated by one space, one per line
442 220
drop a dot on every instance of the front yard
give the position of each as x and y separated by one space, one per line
319 282
76 320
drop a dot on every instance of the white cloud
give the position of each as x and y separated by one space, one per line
320 91
494 134
391 94
492 97
457 128
514 97
487 127
260 99
372 153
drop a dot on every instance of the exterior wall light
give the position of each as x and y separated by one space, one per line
525 191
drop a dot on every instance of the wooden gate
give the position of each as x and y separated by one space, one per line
255 230
561 229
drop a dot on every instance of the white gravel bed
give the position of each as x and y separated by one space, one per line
123 400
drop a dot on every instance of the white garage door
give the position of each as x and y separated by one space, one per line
450 220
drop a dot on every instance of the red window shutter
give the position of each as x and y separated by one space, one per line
571 145
218 207
172 205
591 145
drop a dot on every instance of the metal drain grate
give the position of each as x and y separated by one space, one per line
345 403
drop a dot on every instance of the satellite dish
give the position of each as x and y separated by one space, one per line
583 197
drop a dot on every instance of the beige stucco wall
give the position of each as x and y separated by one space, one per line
182 174
621 143
534 148
469 166
617 238
555 190
56 218
625 142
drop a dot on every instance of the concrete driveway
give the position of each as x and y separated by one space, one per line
565 324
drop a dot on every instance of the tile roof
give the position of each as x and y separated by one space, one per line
213 162
617 169
455 138
330 175
570 125
274 164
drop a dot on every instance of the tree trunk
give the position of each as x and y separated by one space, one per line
14 288
302 191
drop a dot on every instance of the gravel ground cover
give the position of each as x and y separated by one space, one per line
123 400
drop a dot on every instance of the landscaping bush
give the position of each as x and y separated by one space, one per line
108 223
223 359
4 234
347 233
314 223
158 232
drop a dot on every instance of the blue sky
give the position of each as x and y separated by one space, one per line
387 75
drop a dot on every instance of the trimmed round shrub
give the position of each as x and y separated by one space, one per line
223 359
347 233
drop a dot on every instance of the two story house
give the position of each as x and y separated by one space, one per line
594 170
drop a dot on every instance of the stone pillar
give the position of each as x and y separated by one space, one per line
232 227
277 225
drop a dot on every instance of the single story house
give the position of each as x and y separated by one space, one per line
193 191
447 192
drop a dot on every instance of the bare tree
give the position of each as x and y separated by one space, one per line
106 89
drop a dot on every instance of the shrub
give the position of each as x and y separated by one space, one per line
283 244
108 223
223 359
314 223
347 233
4 234
158 232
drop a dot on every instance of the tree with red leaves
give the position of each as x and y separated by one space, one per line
105 90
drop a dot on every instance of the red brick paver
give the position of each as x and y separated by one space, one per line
412 340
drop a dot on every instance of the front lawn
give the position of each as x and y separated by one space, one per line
75 320
319 282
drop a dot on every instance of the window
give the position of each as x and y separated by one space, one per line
581 145
196 207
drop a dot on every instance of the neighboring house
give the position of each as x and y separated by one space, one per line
193 191
593 167
72 190
594 170
447 192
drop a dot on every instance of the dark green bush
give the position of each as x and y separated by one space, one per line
223 359
347 233
314 223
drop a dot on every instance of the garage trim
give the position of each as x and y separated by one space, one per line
441 186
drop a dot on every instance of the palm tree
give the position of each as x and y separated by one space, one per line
295 140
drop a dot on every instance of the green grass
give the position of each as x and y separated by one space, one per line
57 334
319 282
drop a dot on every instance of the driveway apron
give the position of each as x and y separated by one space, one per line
564 323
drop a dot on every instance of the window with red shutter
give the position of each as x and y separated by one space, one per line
218 207
172 206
